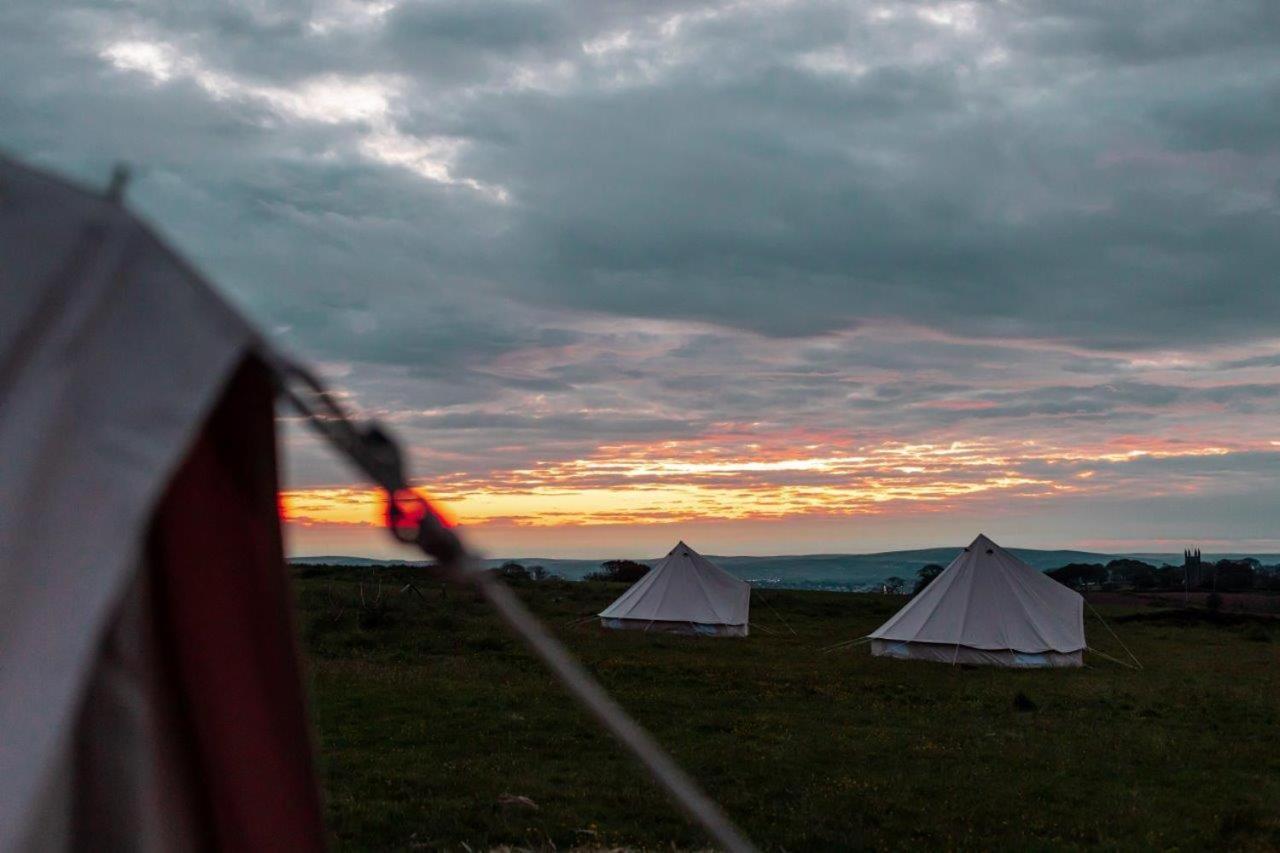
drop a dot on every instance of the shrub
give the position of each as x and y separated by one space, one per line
513 572
625 571
1213 602
1135 573
926 576
1076 575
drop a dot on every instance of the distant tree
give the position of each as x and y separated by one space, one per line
513 572
894 585
1235 574
623 571
1267 577
1134 573
1077 575
1170 577
538 573
926 576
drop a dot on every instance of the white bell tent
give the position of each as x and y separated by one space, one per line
988 607
685 594
150 691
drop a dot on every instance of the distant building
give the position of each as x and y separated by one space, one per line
1194 569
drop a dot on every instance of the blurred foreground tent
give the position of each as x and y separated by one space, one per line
685 594
150 692
150 688
988 607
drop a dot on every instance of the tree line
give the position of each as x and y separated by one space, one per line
1223 576
624 571
1125 573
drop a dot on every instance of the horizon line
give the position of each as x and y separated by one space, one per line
601 558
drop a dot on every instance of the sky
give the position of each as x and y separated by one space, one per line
770 277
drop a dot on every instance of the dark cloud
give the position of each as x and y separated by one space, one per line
988 170
521 230
1151 31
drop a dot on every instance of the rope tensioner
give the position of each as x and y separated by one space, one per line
413 520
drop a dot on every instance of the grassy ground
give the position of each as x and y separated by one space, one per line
430 719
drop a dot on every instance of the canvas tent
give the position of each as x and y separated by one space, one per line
988 607
150 692
687 594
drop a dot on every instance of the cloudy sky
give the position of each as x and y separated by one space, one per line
772 277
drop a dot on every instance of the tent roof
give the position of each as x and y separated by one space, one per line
989 599
685 587
112 350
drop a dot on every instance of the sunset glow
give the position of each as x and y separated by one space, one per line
931 446
776 277
629 485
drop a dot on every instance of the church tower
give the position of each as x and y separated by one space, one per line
1192 567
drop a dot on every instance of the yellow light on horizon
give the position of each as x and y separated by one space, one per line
658 484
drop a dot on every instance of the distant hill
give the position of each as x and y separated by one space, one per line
805 571
815 571
862 571
330 560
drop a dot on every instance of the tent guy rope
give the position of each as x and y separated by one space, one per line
413 520
1105 656
844 644
774 610
1128 651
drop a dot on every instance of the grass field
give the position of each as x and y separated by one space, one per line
431 719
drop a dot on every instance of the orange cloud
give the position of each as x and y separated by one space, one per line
705 479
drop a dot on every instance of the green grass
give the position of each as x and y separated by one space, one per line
428 714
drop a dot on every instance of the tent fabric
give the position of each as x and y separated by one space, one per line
987 600
692 629
124 777
975 657
113 353
684 589
223 612
189 734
